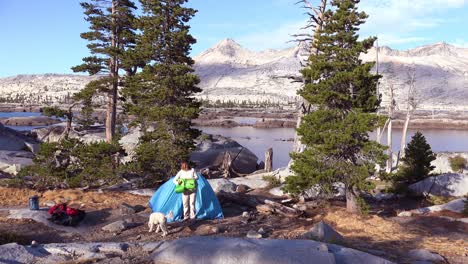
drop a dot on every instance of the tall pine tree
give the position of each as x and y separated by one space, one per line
160 95
111 41
343 90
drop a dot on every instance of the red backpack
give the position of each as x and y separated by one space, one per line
58 209
63 215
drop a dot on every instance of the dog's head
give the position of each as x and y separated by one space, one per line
170 215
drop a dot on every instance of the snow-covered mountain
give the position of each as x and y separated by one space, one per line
441 72
230 72
41 88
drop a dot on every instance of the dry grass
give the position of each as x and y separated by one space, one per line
397 239
19 197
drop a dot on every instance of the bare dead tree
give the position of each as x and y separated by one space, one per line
391 110
412 102
315 23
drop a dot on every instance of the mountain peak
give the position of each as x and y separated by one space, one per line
228 42
439 48
228 47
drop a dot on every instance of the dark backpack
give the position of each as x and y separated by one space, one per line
67 216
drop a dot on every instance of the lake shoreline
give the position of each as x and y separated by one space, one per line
265 118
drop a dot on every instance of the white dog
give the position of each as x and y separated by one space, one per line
159 220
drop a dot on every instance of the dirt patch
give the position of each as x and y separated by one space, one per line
10 197
396 236
387 236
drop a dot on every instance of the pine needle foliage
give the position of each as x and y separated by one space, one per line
160 96
343 90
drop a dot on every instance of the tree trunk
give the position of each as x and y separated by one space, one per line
226 165
298 147
269 160
380 134
389 151
111 111
305 106
68 127
403 136
390 132
351 201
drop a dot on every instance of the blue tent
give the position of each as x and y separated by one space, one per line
166 199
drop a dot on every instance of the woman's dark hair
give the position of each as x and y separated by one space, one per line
186 163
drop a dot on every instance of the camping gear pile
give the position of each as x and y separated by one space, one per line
61 214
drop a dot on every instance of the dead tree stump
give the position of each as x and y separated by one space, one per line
226 165
269 160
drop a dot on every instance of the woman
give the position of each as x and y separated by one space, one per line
188 196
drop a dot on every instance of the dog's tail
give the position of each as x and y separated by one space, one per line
170 215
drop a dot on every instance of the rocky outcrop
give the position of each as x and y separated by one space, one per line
219 250
30 121
274 123
13 161
224 185
196 250
252 181
129 142
456 206
55 134
211 150
14 253
216 123
425 255
442 163
50 134
323 232
450 184
12 140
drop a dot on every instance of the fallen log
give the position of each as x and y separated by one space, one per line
282 209
262 206
239 198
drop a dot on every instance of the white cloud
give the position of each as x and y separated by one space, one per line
397 21
394 22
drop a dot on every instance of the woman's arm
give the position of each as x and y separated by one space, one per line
195 175
176 178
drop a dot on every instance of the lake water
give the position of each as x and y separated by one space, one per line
18 114
258 140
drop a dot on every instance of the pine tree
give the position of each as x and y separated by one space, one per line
343 90
160 96
417 160
111 41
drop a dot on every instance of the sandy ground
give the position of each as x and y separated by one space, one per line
379 233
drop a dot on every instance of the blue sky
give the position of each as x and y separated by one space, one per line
43 36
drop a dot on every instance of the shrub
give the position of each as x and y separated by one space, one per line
465 207
416 162
364 207
457 163
438 200
71 164
273 181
